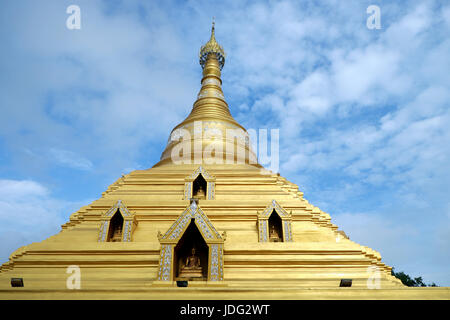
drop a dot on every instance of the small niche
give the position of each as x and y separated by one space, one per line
115 228
199 187
275 228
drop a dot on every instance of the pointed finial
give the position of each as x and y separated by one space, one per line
212 47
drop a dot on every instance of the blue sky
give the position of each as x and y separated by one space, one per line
363 114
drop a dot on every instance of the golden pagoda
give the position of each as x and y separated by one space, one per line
206 222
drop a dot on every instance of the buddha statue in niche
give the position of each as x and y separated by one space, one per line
191 268
200 194
117 235
274 236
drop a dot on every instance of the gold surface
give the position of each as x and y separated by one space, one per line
309 264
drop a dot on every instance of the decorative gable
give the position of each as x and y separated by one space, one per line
263 222
129 222
210 235
210 180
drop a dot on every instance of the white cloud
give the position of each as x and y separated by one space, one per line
17 189
28 213
312 94
362 70
70 159
103 84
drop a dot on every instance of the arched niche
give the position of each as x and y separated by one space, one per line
193 222
115 228
199 187
275 227
200 177
118 216
191 239
274 216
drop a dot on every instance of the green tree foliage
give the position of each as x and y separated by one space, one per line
410 282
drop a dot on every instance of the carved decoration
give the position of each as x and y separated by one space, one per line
165 263
202 222
216 262
263 230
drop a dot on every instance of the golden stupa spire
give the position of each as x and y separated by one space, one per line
210 112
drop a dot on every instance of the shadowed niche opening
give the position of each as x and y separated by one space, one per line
186 265
275 228
199 187
115 228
